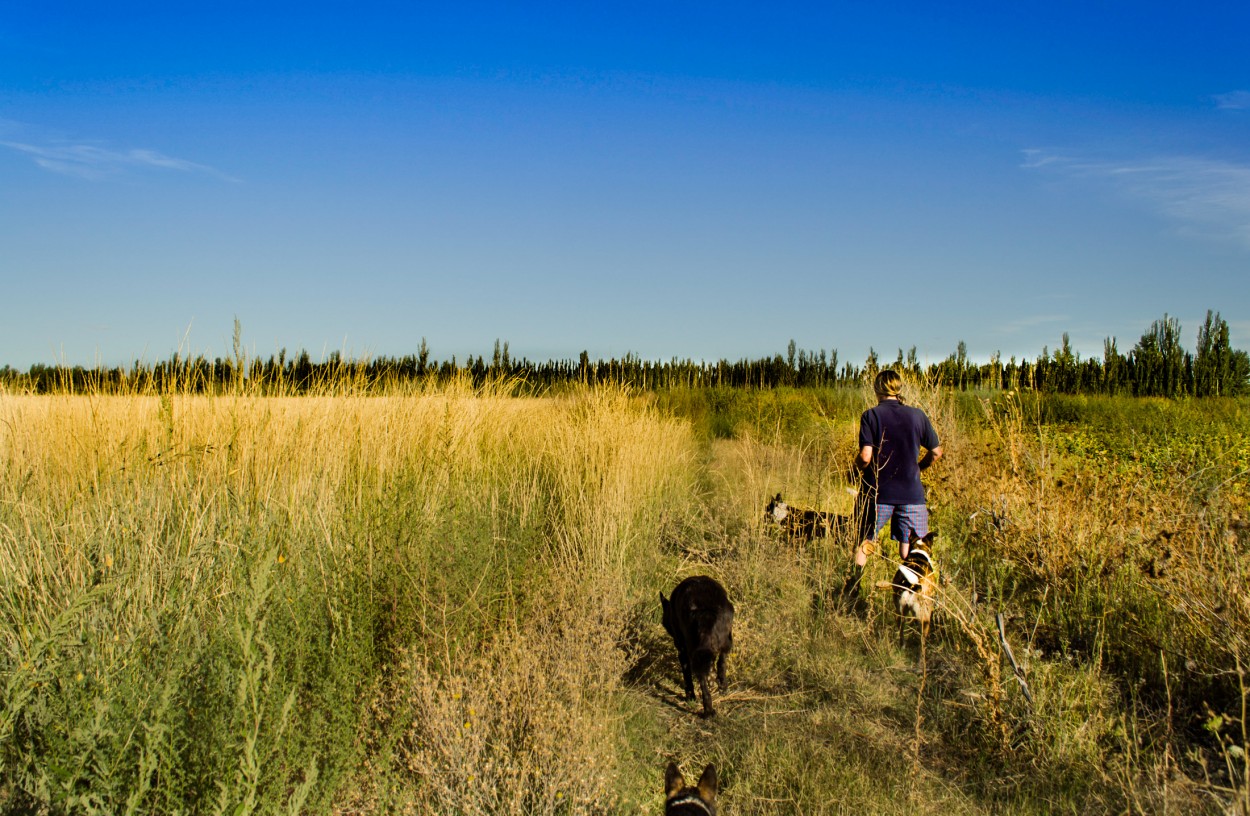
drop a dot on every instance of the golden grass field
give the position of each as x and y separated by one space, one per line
444 600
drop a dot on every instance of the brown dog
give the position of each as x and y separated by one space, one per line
700 618
680 800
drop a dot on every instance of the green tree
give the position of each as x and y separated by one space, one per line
1063 372
1159 362
871 365
1213 360
1113 367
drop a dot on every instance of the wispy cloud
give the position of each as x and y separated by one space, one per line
1233 100
1204 197
95 163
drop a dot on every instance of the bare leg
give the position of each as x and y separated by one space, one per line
850 590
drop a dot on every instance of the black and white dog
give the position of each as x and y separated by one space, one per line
700 618
804 524
915 585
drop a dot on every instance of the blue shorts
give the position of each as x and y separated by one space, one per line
903 519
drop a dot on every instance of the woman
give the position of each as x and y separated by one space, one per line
891 437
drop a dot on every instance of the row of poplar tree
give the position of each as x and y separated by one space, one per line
1158 365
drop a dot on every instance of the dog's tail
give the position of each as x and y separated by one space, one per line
702 660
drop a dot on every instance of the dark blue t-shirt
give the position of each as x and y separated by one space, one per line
896 433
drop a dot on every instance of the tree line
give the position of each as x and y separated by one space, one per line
1158 365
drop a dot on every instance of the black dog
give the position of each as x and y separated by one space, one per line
700 618
804 524
680 800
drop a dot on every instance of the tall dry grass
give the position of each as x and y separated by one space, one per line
1107 533
444 600
1116 577
206 599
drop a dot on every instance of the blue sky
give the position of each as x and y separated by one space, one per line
692 180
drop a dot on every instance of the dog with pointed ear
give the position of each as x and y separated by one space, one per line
697 800
700 618
915 585
803 525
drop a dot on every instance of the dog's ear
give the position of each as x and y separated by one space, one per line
663 604
778 498
912 537
673 781
707 784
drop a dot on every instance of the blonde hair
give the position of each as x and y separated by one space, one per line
889 384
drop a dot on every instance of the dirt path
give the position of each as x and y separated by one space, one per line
821 714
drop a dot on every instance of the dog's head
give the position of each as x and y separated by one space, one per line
697 800
924 543
777 510
918 566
